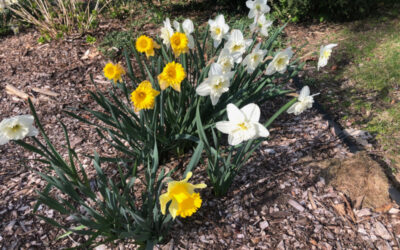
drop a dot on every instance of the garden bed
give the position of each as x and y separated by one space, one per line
278 201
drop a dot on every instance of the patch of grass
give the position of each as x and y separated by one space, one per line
365 87
114 42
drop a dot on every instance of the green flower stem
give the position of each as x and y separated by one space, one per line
280 111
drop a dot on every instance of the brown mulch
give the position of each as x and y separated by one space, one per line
278 201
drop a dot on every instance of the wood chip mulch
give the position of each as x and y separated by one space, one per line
278 201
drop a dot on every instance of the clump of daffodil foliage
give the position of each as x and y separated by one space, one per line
189 90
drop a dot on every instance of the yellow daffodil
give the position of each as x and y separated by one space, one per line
145 44
172 75
179 43
114 72
184 201
143 96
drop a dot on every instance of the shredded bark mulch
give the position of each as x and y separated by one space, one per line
278 201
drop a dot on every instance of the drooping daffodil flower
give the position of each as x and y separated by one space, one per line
184 201
305 101
237 45
216 84
243 124
17 128
257 8
226 60
261 25
324 54
252 60
280 62
188 29
166 32
218 29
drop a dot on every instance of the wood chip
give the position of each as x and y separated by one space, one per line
11 90
311 200
45 92
296 205
381 231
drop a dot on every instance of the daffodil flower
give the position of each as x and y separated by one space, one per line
243 124
324 54
261 25
280 62
237 45
166 32
252 60
188 29
226 60
17 128
305 101
216 84
184 201
218 29
257 8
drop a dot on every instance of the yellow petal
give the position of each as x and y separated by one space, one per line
176 87
188 176
201 185
173 209
164 199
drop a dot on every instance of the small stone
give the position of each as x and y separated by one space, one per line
394 211
240 236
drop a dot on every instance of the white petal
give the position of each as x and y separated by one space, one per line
203 89
292 108
188 26
3 140
250 4
191 42
214 98
288 51
217 43
26 120
234 114
330 46
225 127
261 130
220 20
270 69
236 35
177 26
33 131
215 70
251 112
235 138
305 91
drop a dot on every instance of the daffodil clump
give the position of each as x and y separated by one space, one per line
218 79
